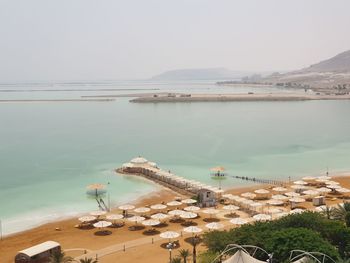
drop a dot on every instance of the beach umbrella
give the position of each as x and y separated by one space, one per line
324 190
238 221
262 191
275 202
86 219
299 187
96 189
297 200
176 212
333 186
279 197
174 203
214 226
324 177
343 190
158 206
159 216
227 196
114 217
246 201
308 178
151 222
331 182
297 211
233 197
279 189
210 211
192 229
98 213
188 215
218 169
192 208
292 194
126 207
169 235
249 195
300 182
230 207
142 210
262 217
189 201
256 204
282 214
311 192
136 219
102 224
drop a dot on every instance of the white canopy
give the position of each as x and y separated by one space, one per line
126 207
300 182
238 221
192 208
159 216
151 222
189 201
262 191
142 210
158 206
249 195
192 229
176 212
139 160
188 215
169 234
297 200
174 203
242 257
262 217
214 226
87 218
40 248
98 213
275 202
114 217
279 197
136 219
210 211
292 194
230 207
102 224
279 189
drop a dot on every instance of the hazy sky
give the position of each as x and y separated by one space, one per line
111 39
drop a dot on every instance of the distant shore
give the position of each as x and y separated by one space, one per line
58 100
238 97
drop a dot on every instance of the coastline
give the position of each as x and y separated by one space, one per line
70 237
238 97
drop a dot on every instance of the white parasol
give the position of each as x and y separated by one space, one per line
188 215
98 213
87 218
142 210
238 221
102 224
151 222
192 208
159 216
192 229
214 226
262 217
158 207
189 201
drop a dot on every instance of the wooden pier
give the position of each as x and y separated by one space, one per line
261 181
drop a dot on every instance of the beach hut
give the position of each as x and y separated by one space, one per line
39 253
207 198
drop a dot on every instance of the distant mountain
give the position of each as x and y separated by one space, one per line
201 74
339 63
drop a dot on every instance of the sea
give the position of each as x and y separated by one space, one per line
50 151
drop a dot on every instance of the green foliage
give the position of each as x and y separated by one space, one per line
184 254
207 257
88 260
175 260
347 219
60 257
307 231
341 210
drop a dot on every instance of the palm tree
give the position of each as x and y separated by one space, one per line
60 257
327 212
341 211
88 260
175 260
194 242
184 253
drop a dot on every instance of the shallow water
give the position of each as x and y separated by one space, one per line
49 152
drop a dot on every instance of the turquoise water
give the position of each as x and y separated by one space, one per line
49 152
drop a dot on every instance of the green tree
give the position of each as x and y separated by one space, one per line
88 260
60 257
341 210
347 219
184 254
175 260
327 212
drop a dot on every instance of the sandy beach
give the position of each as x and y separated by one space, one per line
138 245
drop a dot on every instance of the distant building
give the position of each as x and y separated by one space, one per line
39 253
206 198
